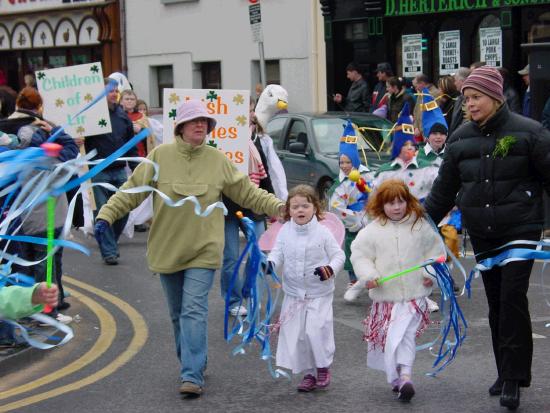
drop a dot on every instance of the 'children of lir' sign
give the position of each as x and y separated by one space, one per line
231 110
67 90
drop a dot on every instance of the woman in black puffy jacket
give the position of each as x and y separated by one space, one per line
495 170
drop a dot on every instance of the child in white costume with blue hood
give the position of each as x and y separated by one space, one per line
417 174
346 200
435 127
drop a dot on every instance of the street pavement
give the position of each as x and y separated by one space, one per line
122 358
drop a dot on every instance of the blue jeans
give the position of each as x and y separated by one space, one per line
116 177
187 296
231 256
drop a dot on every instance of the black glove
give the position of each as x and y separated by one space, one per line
99 229
324 272
267 267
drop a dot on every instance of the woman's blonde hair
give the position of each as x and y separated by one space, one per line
307 192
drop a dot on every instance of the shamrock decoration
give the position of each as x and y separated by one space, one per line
94 69
172 114
174 98
241 120
212 144
211 96
41 75
102 122
88 97
503 146
59 102
80 130
238 99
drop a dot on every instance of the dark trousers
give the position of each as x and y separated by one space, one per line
506 290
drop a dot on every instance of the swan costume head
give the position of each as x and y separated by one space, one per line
273 99
122 83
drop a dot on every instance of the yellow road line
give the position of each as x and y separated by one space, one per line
138 341
107 327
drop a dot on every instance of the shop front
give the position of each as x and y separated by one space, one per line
434 37
45 34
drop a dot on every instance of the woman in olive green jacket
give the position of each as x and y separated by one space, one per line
184 248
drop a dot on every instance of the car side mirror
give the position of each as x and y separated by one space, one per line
297 147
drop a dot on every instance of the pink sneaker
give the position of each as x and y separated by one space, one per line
307 384
323 377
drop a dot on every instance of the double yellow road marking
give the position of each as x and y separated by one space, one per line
107 333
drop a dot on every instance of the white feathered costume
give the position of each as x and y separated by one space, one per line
273 99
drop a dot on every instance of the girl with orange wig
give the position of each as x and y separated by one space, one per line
397 238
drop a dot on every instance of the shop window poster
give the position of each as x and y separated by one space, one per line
411 54
490 46
449 52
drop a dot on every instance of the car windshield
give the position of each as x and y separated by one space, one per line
328 132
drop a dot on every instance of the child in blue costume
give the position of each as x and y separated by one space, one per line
433 150
346 200
417 174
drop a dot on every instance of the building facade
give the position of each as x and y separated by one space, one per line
209 44
52 33
430 36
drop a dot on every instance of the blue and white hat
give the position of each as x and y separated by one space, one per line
404 131
432 116
348 145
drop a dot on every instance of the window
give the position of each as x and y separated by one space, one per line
357 31
275 130
165 80
81 56
211 75
540 31
272 73
57 58
297 133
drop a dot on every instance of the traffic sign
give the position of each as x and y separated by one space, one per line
255 17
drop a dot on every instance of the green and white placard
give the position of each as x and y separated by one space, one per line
67 90
231 110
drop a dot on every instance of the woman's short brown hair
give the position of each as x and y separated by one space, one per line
28 99
307 192
386 193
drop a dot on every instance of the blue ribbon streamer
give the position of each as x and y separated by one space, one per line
101 166
110 86
453 328
44 241
257 290
509 255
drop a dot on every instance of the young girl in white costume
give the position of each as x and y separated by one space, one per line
308 257
347 201
398 238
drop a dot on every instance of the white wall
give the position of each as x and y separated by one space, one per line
182 34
